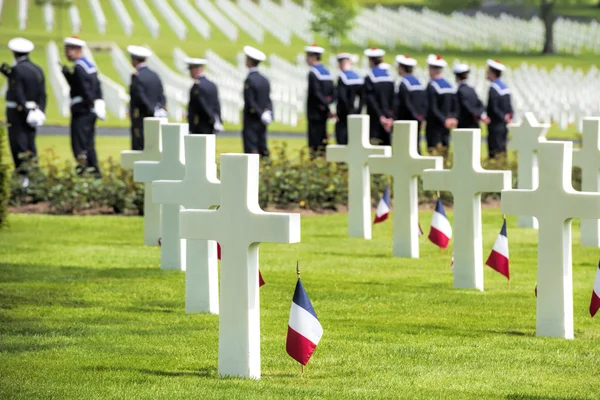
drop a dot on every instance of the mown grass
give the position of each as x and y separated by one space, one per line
86 313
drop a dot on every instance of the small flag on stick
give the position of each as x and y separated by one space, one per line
498 258
595 303
261 282
304 328
383 208
452 261
441 230
420 230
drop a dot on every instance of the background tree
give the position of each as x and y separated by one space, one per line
333 19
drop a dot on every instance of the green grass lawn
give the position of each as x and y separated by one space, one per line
85 312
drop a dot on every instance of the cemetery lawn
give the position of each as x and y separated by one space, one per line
85 312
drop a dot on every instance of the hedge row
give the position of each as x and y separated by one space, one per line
4 177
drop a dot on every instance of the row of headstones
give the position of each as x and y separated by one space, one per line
545 194
187 210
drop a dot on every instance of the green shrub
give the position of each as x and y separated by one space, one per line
4 178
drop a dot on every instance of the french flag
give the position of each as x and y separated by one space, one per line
595 303
441 230
383 208
304 328
498 258
260 278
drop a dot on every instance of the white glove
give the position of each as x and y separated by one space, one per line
160 112
218 126
36 118
100 109
267 117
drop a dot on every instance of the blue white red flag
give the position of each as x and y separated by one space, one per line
498 258
441 230
595 303
383 208
304 328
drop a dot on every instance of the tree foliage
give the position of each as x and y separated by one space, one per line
333 19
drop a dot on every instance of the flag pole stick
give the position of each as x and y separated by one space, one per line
509 284
303 371
298 274
389 180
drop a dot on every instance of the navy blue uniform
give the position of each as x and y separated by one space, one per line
348 93
26 91
204 108
257 100
498 107
411 102
85 89
441 106
320 97
379 95
470 107
147 94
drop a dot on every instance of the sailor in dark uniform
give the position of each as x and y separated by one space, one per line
321 94
25 105
146 93
470 108
86 106
441 111
348 93
411 98
379 97
204 108
258 109
499 109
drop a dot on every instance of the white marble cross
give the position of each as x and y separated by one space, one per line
554 203
151 152
199 189
588 159
525 139
405 166
467 180
356 155
239 225
170 167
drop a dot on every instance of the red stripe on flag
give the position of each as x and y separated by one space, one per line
595 304
260 279
218 251
498 262
438 238
299 347
381 218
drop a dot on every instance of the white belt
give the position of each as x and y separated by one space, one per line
30 105
76 100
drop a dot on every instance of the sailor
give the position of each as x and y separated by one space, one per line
470 108
411 98
348 96
25 105
147 95
379 96
441 107
86 105
204 108
321 93
258 109
499 109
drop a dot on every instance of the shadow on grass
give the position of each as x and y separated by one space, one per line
204 372
533 397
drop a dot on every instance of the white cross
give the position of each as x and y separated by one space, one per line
239 225
554 203
467 180
151 152
588 158
170 166
525 139
356 155
199 189
405 166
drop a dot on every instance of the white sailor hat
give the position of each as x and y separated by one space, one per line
435 60
74 41
374 52
194 62
254 53
20 45
403 59
495 64
139 51
385 66
313 48
461 68
344 56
